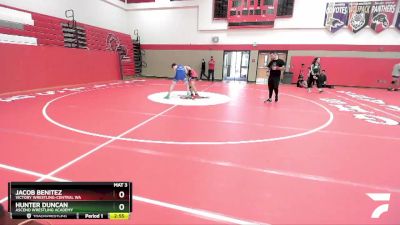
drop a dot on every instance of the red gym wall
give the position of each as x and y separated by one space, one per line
33 67
362 72
48 31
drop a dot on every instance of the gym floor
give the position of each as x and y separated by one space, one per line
227 158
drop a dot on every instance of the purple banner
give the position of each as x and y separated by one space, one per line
336 15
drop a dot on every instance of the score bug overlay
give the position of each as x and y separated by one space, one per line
70 200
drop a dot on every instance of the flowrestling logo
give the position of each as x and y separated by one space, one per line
383 208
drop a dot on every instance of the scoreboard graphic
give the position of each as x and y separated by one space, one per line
252 13
70 200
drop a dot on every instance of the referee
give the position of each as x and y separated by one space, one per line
276 66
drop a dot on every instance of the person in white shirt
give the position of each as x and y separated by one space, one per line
395 80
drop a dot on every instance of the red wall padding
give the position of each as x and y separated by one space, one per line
362 72
32 67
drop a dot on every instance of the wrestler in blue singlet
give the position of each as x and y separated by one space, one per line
180 73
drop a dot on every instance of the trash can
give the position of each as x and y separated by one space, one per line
287 78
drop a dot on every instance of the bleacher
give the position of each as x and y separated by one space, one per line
38 29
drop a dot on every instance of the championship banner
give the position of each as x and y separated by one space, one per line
336 15
398 21
359 13
382 15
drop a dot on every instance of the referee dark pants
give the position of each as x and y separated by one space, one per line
273 86
211 75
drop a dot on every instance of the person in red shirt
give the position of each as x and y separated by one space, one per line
211 67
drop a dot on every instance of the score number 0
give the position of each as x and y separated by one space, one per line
121 195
